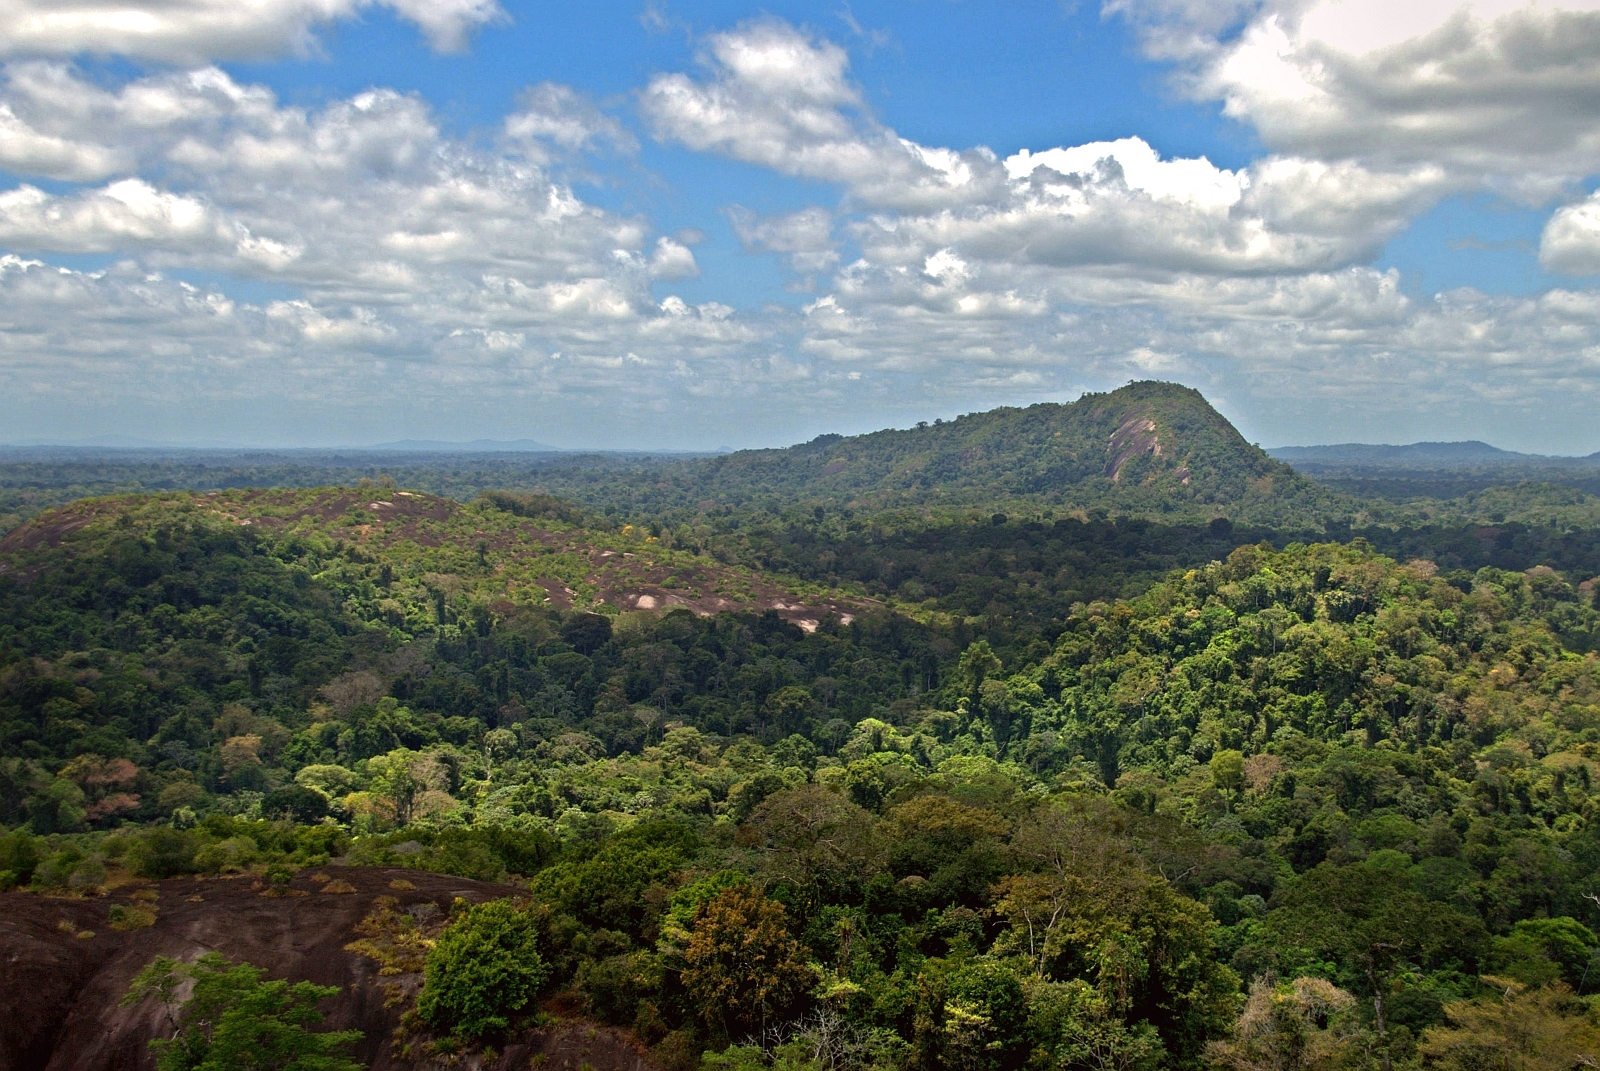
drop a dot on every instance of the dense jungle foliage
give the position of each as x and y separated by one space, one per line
1289 805
1114 744
1022 572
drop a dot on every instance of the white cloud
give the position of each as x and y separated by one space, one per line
1109 259
1120 206
197 31
124 215
407 248
1571 240
805 237
364 196
447 23
30 152
1498 92
424 268
1195 182
672 260
361 327
553 119
779 98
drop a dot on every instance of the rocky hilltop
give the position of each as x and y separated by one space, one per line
1154 449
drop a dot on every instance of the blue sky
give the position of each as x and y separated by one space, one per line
321 222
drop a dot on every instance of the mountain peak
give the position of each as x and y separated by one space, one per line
1149 447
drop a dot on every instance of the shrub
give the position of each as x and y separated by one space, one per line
296 803
484 854
131 917
56 871
231 1020
797 1055
484 967
162 853
19 857
233 855
614 987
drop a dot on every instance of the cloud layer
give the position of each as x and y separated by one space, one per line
200 31
355 255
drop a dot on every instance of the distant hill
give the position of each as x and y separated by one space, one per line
1470 454
1154 449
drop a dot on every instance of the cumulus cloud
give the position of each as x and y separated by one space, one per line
123 215
197 31
553 119
1119 204
363 195
1571 240
672 260
1502 92
1111 259
32 152
408 249
782 99
427 267
805 237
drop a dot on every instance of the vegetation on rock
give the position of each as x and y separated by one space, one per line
229 1019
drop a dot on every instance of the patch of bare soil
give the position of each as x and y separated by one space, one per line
64 969
632 583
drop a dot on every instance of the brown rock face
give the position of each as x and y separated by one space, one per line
61 989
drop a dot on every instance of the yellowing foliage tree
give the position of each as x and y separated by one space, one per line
744 969
1545 1029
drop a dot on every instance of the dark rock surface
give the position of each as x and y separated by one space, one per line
61 990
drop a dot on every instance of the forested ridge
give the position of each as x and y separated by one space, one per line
1069 793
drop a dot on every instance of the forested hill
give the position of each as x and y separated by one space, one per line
1154 449
1364 789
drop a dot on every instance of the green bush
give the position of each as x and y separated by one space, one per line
236 854
162 853
314 845
523 852
484 968
295 803
483 854
55 871
615 987
795 1056
231 1020
19 857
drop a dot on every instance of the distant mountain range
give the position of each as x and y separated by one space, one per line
1429 455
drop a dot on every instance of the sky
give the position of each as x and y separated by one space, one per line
664 224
